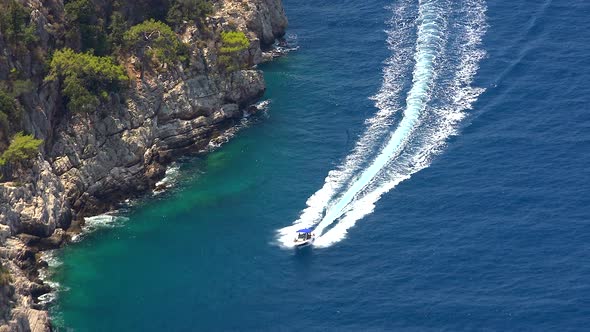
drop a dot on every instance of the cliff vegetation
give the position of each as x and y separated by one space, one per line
86 79
97 97
22 147
90 47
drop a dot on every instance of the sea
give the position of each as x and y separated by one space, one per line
440 150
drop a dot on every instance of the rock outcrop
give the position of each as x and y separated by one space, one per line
17 299
90 162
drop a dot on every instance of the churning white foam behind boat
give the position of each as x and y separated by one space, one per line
398 67
433 111
431 40
440 121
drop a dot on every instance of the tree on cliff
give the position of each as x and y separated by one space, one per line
154 42
189 11
117 30
22 147
15 25
85 78
85 28
232 44
10 114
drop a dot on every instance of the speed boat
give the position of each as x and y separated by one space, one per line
304 238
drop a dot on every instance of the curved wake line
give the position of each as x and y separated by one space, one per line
428 48
411 145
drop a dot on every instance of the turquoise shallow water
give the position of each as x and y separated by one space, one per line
491 233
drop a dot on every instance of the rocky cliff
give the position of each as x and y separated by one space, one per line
92 161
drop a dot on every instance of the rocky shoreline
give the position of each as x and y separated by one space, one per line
92 162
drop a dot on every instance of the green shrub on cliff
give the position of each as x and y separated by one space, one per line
85 28
4 125
17 87
188 11
232 43
117 29
155 42
138 11
14 24
7 104
22 147
85 78
9 114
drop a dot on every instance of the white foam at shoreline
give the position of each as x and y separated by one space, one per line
105 220
45 274
91 224
170 179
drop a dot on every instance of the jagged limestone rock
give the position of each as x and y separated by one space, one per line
92 161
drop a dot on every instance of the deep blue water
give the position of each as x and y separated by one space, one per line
490 233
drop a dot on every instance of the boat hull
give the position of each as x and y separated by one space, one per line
303 244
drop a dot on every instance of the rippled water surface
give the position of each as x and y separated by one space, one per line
441 148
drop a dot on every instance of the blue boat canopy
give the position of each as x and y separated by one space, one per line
305 230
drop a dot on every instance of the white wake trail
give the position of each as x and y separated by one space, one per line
430 40
424 128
